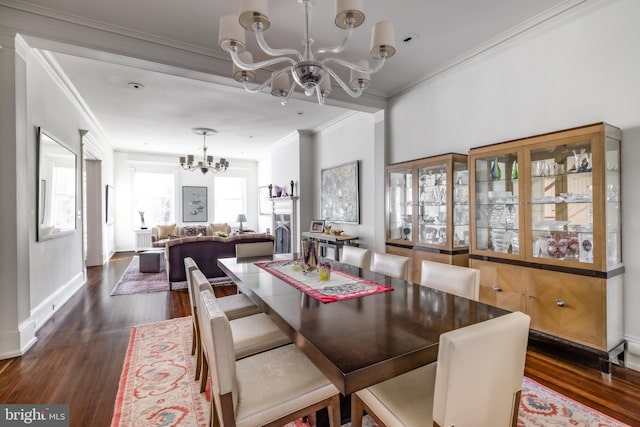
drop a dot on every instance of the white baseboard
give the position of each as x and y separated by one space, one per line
43 312
15 343
632 358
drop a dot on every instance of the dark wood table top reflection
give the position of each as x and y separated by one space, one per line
359 342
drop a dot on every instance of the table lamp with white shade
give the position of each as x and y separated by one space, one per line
241 218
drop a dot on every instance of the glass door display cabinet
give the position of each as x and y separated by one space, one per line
552 199
428 210
546 231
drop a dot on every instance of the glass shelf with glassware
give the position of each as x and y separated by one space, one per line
547 190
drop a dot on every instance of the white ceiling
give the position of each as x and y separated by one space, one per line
159 117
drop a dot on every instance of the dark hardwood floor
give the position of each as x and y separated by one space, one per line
79 355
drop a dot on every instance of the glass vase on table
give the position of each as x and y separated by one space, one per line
310 251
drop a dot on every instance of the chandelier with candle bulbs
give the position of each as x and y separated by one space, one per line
310 70
206 164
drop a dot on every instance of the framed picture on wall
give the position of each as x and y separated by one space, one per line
109 202
339 198
194 204
265 202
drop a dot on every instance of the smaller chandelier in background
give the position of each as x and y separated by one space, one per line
310 70
206 164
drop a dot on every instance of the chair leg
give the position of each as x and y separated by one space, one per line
193 339
334 412
357 411
199 358
203 375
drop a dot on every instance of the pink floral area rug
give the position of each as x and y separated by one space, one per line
541 406
157 388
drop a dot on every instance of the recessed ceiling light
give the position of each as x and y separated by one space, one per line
410 38
300 113
135 85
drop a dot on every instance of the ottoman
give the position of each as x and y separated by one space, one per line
152 261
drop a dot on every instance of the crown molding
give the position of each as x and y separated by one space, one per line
338 120
60 79
21 46
109 28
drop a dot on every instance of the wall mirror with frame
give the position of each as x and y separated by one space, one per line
56 187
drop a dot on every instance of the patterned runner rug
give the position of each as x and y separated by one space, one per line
340 286
157 388
134 282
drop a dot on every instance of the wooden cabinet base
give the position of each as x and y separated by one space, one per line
582 309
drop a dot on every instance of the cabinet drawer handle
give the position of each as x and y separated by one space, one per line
560 303
497 288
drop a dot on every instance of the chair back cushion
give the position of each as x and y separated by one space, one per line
461 281
217 342
246 250
189 267
358 257
391 265
200 283
480 371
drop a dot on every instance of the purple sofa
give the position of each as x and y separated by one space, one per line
205 251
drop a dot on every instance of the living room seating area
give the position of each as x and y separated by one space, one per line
161 234
205 251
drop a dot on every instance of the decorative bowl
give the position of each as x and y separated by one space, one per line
337 232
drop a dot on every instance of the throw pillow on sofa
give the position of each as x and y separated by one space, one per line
218 228
165 230
194 230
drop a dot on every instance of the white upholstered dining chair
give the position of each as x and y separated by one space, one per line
476 381
251 334
454 279
358 257
391 265
247 250
235 306
267 389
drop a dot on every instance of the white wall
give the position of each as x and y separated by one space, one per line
56 266
581 70
285 159
126 215
347 141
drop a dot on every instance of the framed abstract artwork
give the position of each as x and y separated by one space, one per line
339 196
194 204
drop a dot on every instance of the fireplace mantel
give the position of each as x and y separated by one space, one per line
285 208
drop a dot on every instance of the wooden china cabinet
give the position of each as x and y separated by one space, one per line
427 210
546 233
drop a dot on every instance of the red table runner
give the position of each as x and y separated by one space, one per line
341 286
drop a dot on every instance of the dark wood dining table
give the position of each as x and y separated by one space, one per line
361 341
